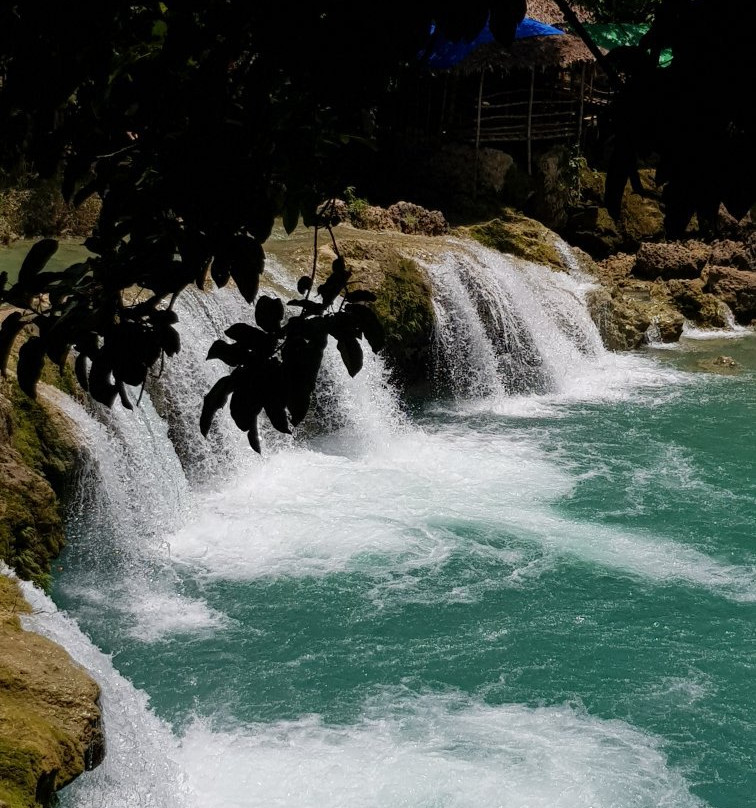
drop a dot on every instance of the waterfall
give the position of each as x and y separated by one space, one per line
249 593
507 326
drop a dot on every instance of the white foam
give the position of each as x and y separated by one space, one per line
448 751
306 513
141 767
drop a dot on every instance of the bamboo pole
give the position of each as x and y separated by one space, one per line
477 134
530 120
582 106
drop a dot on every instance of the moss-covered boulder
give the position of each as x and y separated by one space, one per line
518 235
38 455
404 305
50 727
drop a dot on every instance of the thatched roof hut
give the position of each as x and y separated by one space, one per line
540 53
548 11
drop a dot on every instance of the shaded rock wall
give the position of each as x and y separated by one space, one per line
50 727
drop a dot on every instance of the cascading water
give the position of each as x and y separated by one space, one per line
508 326
513 597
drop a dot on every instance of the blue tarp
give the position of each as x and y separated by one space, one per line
445 54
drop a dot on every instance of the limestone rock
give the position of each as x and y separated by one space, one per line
670 260
416 220
737 288
720 364
518 235
371 217
627 318
727 253
38 452
50 728
697 305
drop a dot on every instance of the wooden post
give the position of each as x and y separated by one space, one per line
477 133
530 120
582 105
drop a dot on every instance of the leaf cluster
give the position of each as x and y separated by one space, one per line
196 123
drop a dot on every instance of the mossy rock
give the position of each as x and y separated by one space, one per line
518 235
405 308
404 305
50 730
38 454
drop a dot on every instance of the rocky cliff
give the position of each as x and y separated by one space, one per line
50 728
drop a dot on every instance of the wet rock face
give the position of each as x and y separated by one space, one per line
401 217
628 318
696 304
670 260
38 453
737 288
50 723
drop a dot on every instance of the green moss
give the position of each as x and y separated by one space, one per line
518 235
37 462
405 308
38 438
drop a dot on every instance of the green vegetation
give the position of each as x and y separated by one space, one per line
518 235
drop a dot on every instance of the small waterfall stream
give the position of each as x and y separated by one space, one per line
402 610
507 326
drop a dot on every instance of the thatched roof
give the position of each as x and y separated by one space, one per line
548 11
539 52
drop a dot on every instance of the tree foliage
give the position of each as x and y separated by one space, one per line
197 123
698 115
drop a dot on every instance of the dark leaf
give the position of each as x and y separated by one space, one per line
124 396
301 363
170 341
269 313
308 306
304 284
168 316
84 193
338 267
36 260
254 438
361 296
214 400
308 328
342 325
232 355
274 396
101 387
3 283
253 339
220 270
245 403
370 325
351 354
291 215
330 289
31 358
81 369
9 330
246 263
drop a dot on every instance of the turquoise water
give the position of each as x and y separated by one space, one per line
531 602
